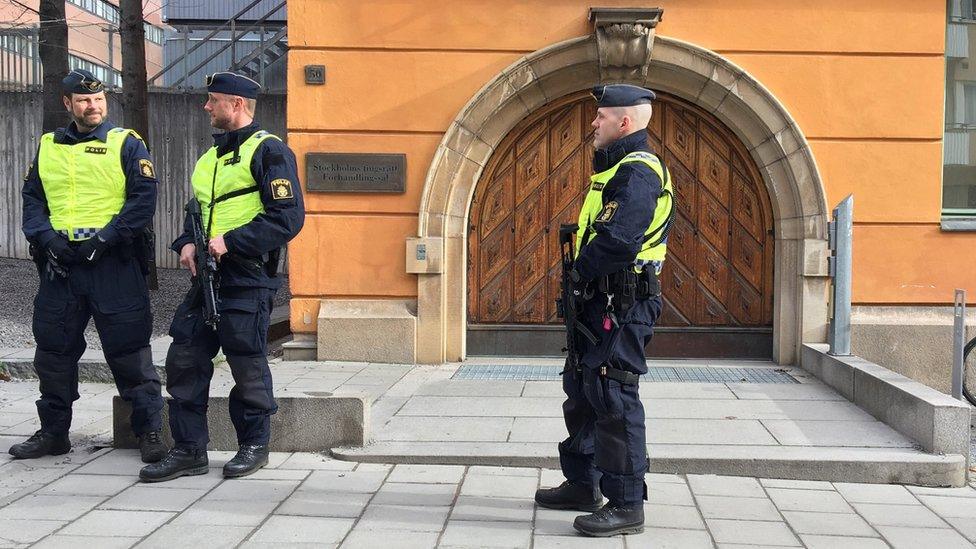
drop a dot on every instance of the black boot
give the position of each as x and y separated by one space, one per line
612 520
568 495
249 458
151 447
41 444
178 462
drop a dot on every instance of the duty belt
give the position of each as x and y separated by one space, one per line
79 233
626 287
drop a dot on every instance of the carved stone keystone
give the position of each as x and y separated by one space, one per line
624 37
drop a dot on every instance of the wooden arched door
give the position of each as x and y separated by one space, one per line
717 280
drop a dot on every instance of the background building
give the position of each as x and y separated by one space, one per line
771 113
93 40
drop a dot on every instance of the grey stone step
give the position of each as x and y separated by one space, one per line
869 465
309 423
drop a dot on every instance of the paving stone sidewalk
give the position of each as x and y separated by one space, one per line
92 495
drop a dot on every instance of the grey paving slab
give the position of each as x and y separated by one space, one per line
787 499
950 506
120 523
17 531
550 522
478 470
114 462
148 497
345 481
673 516
875 493
482 407
796 484
577 542
262 490
314 503
460 429
9 419
58 541
783 391
661 431
315 530
438 474
841 524
669 493
403 518
756 409
837 542
196 535
372 539
966 526
720 485
462 387
277 474
667 538
736 508
416 494
213 477
855 434
226 513
965 492
50 507
663 477
486 534
474 508
310 461
913 538
499 486
384 468
750 532
912 516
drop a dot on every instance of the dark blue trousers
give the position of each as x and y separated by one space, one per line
605 418
242 334
112 291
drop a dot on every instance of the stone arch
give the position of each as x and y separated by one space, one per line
715 84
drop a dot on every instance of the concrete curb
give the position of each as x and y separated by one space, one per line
938 422
873 465
311 423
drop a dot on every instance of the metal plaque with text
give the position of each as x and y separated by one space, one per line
355 172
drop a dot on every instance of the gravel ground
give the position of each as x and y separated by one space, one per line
18 286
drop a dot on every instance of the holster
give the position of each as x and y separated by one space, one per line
627 287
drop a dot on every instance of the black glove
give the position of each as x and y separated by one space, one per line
92 249
59 252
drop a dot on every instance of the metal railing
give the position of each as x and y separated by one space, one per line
236 36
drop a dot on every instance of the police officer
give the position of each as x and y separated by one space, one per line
251 201
87 197
620 247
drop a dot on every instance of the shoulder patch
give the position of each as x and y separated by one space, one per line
607 213
281 189
146 168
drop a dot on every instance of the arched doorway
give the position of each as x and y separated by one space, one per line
718 281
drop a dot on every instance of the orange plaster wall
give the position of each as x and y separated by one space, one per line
528 25
892 181
912 264
863 80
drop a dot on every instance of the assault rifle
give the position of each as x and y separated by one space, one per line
572 296
206 278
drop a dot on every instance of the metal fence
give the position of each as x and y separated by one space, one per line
179 133
20 61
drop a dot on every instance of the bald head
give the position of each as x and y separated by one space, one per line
613 123
640 115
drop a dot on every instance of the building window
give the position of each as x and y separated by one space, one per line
100 8
153 33
959 140
110 77
17 43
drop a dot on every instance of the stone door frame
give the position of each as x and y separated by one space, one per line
715 84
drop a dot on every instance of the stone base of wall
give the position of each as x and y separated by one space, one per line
913 341
379 330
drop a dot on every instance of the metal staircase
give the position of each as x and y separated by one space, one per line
254 62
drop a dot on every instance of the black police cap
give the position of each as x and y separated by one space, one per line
232 84
622 95
81 81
